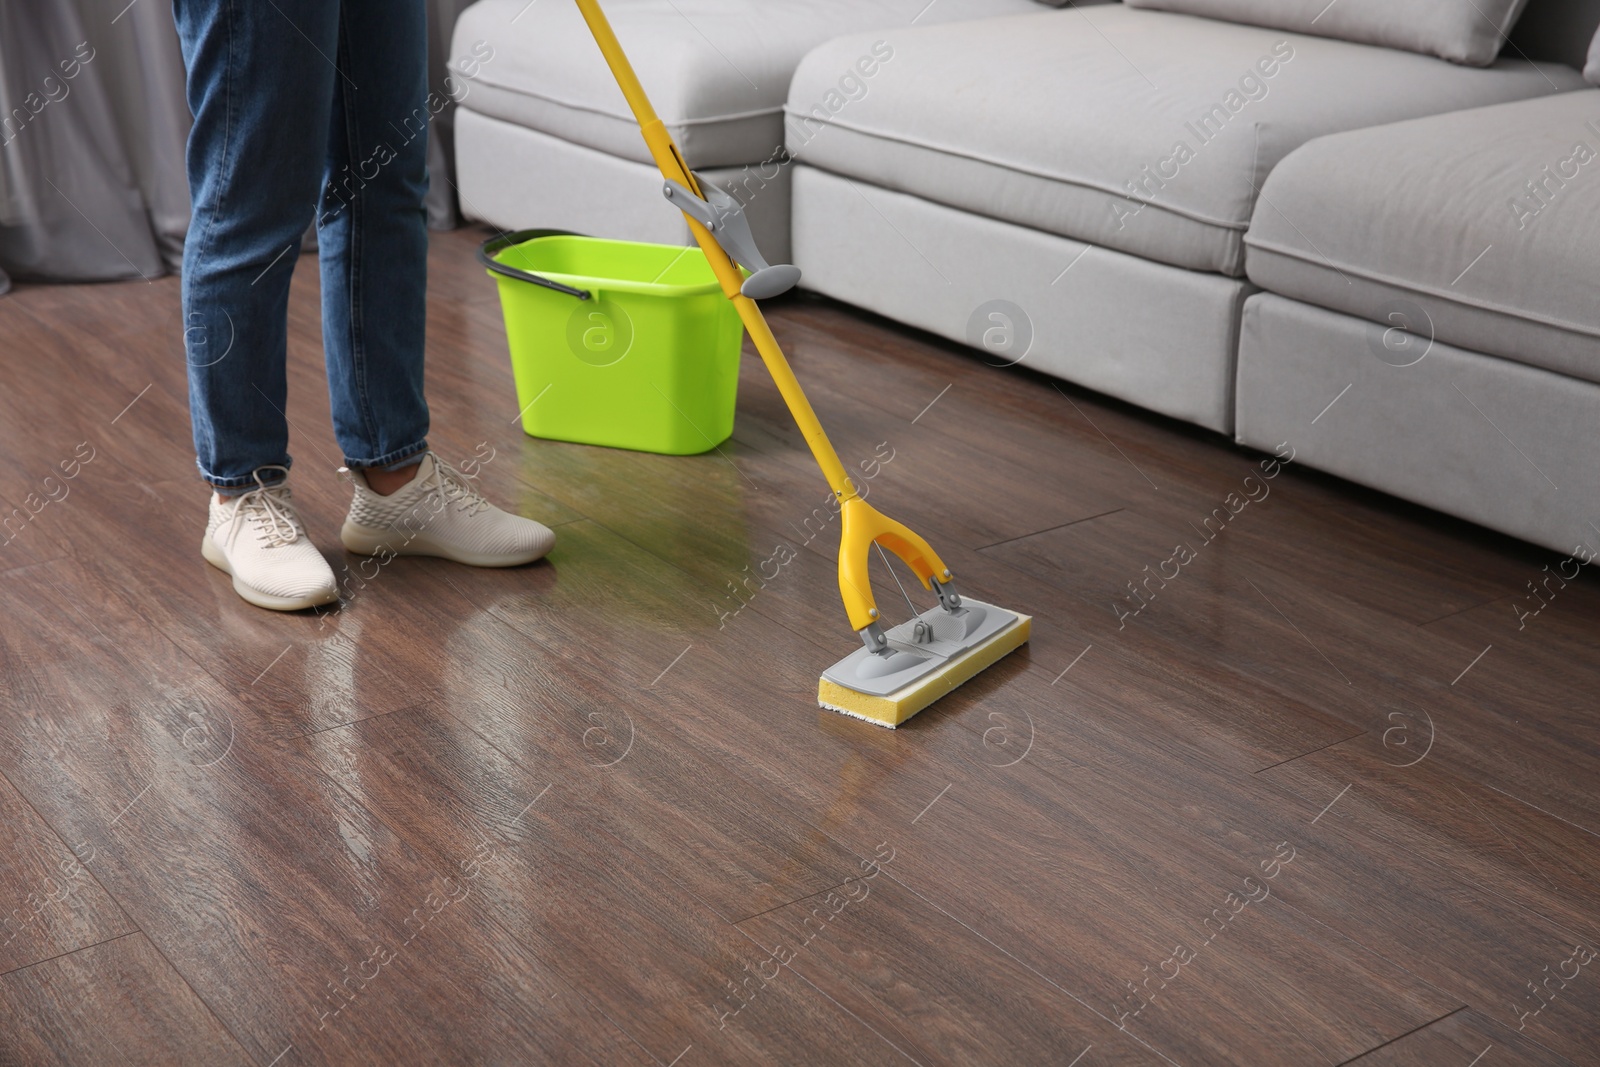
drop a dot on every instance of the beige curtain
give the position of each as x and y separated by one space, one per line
92 125
93 122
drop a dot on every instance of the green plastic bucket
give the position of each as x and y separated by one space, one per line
617 343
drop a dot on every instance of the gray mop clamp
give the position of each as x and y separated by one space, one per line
724 217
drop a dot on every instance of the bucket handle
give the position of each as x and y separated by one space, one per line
487 250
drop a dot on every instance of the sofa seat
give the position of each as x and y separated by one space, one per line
1158 336
1487 222
1491 440
1141 131
516 178
717 71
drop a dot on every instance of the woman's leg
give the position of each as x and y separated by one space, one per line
374 249
372 240
260 85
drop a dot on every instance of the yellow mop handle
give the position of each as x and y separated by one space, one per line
861 524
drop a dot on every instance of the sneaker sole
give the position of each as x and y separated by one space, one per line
213 555
364 541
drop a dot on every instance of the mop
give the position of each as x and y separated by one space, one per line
897 672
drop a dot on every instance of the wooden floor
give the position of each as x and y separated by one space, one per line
1324 799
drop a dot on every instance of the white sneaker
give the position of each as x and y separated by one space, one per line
257 537
440 513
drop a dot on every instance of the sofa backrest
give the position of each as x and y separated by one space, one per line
1556 30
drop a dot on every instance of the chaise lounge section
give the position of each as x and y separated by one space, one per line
1432 320
1088 175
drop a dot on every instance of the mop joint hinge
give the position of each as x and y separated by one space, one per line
723 215
873 637
949 599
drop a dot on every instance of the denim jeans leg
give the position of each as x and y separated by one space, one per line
260 86
372 235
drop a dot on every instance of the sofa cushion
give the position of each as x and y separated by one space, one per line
1138 130
717 71
1479 228
1466 31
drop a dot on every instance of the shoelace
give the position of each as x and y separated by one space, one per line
269 514
457 487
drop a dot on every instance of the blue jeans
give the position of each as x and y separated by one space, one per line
305 109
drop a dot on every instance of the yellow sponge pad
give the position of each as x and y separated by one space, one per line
897 707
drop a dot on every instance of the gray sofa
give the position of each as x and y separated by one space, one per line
1223 222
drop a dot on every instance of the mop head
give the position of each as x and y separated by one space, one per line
925 664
